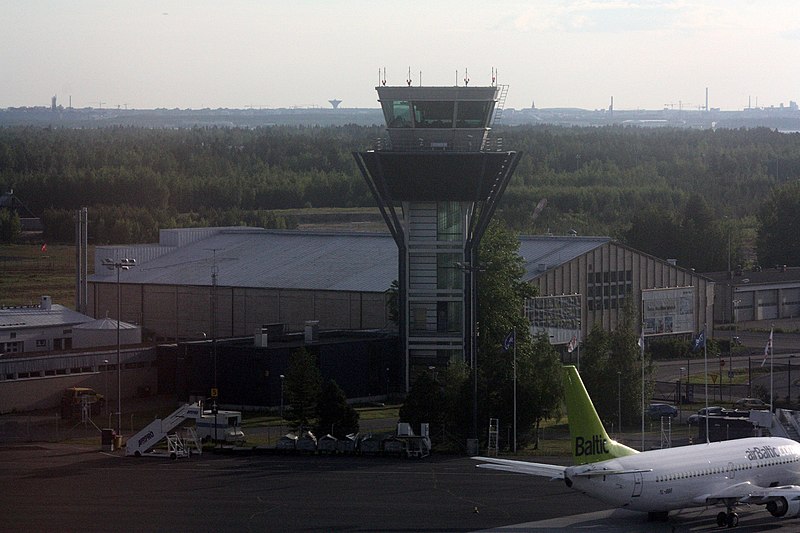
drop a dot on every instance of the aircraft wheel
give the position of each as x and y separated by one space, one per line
722 519
732 520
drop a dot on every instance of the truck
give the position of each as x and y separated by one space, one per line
224 426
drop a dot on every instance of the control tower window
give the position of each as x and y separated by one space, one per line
433 114
472 114
398 114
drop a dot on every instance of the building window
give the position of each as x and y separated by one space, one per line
398 114
433 114
448 221
472 114
448 317
448 275
418 319
11 347
612 286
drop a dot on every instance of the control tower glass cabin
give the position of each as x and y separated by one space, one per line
437 180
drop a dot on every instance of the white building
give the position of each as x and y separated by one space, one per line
38 328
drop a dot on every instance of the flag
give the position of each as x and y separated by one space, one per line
44 247
573 343
767 348
510 340
699 341
641 340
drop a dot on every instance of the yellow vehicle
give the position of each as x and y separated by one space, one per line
74 398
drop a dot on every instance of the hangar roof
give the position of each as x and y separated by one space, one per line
252 257
542 253
336 261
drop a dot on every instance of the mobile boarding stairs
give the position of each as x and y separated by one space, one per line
161 428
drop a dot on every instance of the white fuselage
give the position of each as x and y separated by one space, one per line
675 478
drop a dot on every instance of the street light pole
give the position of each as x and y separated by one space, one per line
121 264
619 400
680 394
282 376
105 375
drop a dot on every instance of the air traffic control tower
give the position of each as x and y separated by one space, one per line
437 178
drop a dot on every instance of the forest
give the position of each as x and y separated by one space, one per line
699 196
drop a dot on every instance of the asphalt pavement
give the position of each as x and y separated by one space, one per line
62 487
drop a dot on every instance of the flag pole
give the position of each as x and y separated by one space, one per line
771 359
641 356
705 362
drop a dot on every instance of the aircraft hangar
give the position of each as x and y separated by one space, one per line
227 282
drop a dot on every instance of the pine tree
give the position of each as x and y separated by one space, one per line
334 415
303 381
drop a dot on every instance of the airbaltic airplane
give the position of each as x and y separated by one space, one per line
754 470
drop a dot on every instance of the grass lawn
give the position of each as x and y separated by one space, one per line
27 273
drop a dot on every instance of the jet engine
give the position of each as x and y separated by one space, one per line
782 508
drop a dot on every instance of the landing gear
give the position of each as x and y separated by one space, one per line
729 519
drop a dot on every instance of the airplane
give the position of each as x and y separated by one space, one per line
752 470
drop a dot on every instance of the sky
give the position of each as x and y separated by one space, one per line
147 54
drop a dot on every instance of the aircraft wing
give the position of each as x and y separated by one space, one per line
747 492
737 492
609 472
766 495
522 467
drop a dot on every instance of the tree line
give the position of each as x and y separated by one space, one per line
710 193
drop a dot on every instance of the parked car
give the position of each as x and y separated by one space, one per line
660 410
698 416
750 403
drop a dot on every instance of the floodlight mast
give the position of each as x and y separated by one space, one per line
121 264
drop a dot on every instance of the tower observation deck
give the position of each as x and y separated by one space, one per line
437 178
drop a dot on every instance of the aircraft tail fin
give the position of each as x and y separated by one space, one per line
590 442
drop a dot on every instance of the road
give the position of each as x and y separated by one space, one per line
786 359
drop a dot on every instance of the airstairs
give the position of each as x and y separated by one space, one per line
788 419
160 429
783 423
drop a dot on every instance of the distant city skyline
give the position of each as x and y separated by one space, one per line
271 54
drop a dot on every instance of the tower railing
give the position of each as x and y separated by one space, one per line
490 143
